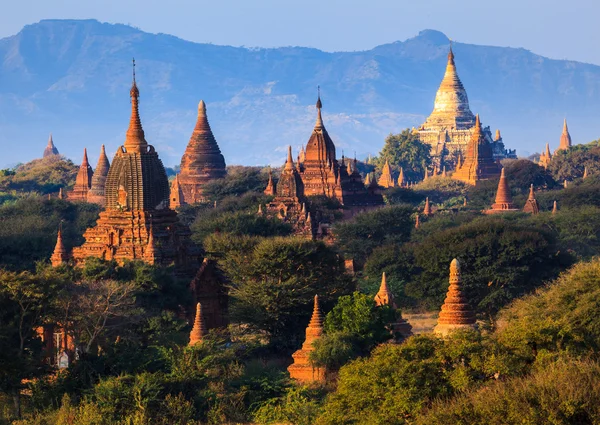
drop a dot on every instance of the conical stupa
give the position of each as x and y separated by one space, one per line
565 138
83 181
96 193
386 179
384 297
50 149
427 211
199 329
531 204
60 254
503 198
456 312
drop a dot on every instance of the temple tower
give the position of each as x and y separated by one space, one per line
455 313
545 157
386 179
565 138
427 211
96 193
531 205
202 160
270 190
199 329
176 199
60 255
479 161
301 370
136 223
384 297
503 198
50 148
83 181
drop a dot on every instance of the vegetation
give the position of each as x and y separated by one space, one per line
406 151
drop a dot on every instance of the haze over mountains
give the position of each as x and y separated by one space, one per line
72 78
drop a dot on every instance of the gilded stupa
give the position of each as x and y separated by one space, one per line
202 160
449 128
137 223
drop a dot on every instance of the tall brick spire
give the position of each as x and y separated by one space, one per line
427 212
83 181
199 329
455 313
50 148
503 199
135 140
531 205
565 138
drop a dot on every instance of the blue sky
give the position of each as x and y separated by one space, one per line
557 29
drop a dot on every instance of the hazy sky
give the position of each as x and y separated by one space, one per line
557 29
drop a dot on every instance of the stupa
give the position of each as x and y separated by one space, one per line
479 163
270 190
565 138
199 329
385 297
427 211
455 313
136 223
449 128
50 149
545 157
96 193
176 199
202 161
386 179
301 370
531 205
60 255
83 181
503 198
401 180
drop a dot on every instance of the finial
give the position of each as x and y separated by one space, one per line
289 163
477 121
319 103
454 267
133 61
201 108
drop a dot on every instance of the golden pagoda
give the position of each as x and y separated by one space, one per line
202 161
301 370
401 178
456 312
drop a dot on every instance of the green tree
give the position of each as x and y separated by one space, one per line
407 151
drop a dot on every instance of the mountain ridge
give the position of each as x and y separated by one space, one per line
72 78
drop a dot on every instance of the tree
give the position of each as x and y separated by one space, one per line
45 175
407 151
570 164
238 180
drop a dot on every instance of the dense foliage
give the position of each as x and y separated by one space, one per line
407 151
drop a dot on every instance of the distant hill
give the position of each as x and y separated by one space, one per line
72 78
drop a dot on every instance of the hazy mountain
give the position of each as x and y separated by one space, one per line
72 78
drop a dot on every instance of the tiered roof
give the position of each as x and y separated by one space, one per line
456 312
199 329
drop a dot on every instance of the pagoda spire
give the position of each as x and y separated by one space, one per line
585 172
417 223
319 105
531 205
427 212
83 181
386 180
384 295
401 178
50 148
455 313
270 189
289 163
96 194
554 208
60 255
135 140
199 329
503 198
176 200
565 138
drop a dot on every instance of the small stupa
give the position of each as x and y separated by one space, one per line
270 189
50 148
96 193
176 196
385 297
554 208
401 178
83 181
585 173
565 138
199 329
60 255
417 224
503 199
455 313
545 157
301 370
427 211
531 205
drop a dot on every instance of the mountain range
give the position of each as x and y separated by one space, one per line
72 78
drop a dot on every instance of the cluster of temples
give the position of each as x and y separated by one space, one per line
564 145
451 125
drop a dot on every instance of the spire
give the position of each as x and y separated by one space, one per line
177 199
150 253
384 295
134 139
565 184
85 162
61 194
417 223
199 329
50 148
444 172
401 178
531 205
386 180
260 209
368 179
270 189
83 181
96 194
585 172
60 255
455 313
554 208
289 163
565 138
319 105
316 321
503 198
427 209
464 202
498 136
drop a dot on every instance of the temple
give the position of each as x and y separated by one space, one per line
449 128
531 204
455 313
565 138
427 211
302 370
136 223
545 157
50 149
60 255
479 163
83 181
503 198
386 180
400 329
201 162
320 174
96 193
